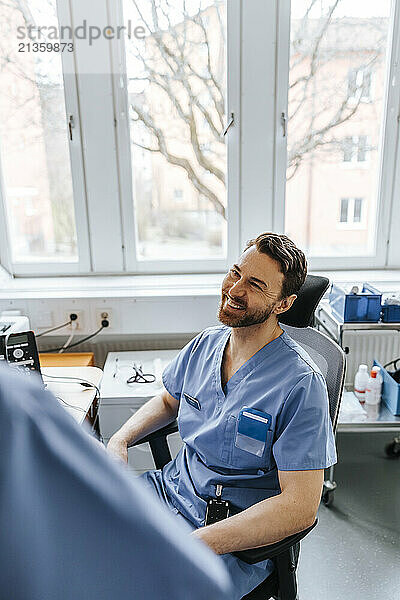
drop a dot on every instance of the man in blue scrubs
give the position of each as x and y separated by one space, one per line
253 415
74 525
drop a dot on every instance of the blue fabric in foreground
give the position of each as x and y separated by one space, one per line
74 525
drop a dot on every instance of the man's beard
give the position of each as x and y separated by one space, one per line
246 319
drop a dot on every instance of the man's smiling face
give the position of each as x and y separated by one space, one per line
251 290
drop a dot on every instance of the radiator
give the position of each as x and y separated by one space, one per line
363 346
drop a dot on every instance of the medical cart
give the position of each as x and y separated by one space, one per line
353 418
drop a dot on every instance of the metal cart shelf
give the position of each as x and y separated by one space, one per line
358 421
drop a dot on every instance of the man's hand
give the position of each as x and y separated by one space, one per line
118 447
154 414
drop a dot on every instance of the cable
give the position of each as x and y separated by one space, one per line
5 341
71 405
78 380
84 383
392 362
89 337
67 343
54 329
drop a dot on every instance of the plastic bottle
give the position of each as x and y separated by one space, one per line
374 388
361 382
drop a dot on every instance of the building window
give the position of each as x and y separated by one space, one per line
351 211
359 85
178 195
355 149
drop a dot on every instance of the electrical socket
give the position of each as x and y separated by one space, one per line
104 313
79 322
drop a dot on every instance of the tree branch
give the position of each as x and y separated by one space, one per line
184 163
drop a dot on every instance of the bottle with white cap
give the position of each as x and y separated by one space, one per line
374 387
361 382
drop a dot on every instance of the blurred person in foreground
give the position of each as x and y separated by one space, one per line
74 525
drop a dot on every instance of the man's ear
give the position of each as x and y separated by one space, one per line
284 304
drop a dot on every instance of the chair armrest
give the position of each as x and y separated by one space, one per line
160 433
255 555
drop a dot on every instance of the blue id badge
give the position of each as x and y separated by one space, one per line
252 428
192 401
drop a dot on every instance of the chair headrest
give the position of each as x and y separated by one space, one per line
308 297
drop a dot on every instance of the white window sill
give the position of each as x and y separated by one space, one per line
112 286
134 286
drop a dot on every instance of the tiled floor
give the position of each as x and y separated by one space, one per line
354 553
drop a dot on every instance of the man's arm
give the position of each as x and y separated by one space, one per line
156 413
271 520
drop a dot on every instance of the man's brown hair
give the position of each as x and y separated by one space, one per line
293 263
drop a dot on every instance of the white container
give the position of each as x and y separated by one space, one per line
361 382
374 388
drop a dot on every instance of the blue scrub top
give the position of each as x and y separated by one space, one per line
286 422
75 525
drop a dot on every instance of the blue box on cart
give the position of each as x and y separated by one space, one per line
391 313
364 306
390 391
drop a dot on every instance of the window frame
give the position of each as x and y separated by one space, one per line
256 181
82 265
132 263
384 256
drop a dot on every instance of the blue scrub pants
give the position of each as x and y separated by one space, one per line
244 577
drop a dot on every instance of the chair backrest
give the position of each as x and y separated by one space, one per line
328 357
302 311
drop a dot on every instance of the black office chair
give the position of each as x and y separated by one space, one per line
330 358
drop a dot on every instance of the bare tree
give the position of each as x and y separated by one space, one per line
320 101
184 66
34 111
178 62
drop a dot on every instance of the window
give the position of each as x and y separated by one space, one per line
358 203
309 90
337 50
355 149
35 160
43 220
344 210
178 195
177 95
351 211
359 85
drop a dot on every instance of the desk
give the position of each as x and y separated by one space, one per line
68 359
80 398
120 400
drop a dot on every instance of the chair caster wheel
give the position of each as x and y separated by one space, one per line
328 497
392 450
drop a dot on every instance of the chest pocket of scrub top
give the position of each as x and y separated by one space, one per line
248 439
190 416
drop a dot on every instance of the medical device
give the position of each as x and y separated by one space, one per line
20 351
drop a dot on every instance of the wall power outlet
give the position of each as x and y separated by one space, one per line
104 313
79 322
